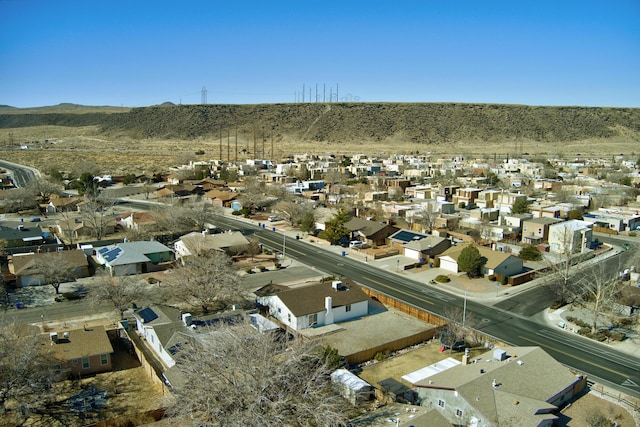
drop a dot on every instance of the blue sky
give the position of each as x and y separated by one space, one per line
139 52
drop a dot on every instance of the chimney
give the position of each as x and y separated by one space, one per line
54 337
336 285
328 305
186 319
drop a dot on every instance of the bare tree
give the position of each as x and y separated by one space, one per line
121 292
42 189
55 269
254 247
18 199
26 371
95 213
243 377
427 216
254 194
207 280
293 209
597 293
199 213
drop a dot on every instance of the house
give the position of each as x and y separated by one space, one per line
536 230
140 222
219 197
373 233
166 329
63 204
570 236
521 386
25 266
417 245
23 236
128 258
497 263
195 243
317 304
81 352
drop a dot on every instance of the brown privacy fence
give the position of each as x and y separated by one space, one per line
416 312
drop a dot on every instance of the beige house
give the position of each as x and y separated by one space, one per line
81 352
512 386
536 230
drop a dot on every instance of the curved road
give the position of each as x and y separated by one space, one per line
619 370
20 174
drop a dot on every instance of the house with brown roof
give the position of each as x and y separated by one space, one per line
63 204
81 352
536 230
25 266
312 305
220 197
371 232
495 262
140 222
515 386
197 243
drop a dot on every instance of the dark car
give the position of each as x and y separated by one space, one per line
36 219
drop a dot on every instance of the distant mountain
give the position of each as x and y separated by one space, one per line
428 123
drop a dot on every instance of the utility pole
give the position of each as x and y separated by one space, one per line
236 143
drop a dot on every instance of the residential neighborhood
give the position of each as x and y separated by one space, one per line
175 270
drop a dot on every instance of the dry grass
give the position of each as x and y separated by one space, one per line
77 147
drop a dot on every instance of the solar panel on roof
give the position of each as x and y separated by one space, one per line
112 254
147 315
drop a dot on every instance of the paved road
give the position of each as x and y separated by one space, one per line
599 361
20 174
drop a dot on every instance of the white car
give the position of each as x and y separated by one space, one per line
273 218
356 244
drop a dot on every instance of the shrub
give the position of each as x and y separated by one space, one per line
263 268
633 234
617 336
442 278
248 270
584 331
381 355
70 296
199 152
277 264
236 213
492 278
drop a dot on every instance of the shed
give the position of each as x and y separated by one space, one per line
351 387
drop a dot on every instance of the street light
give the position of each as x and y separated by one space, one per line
464 308
397 265
284 245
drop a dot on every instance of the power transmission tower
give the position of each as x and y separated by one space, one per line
203 95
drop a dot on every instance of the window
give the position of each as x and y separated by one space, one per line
85 363
441 403
289 317
459 413
347 308
313 319
104 359
57 369
74 361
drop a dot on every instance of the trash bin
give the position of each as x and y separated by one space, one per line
343 253
273 229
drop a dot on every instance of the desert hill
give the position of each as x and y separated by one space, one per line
421 123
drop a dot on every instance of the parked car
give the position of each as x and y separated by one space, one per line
356 244
273 218
36 219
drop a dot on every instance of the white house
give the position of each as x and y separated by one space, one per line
318 304
570 236
496 262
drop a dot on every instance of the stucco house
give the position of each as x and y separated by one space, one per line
417 245
536 230
128 258
81 352
317 304
570 236
521 386
25 266
497 263
371 232
196 243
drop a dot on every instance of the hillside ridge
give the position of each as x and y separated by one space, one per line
428 123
